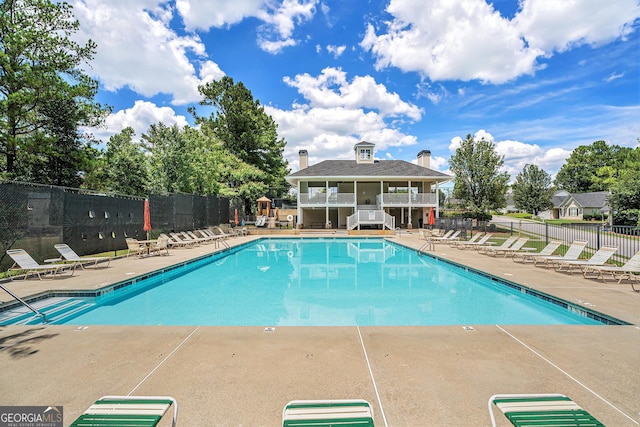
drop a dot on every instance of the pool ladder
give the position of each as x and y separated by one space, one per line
26 304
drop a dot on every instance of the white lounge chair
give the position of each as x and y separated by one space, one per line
480 242
220 232
68 254
598 259
573 253
630 270
548 250
473 239
506 244
185 240
22 261
446 239
325 413
509 251
194 236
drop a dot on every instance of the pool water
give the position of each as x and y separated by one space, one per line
322 282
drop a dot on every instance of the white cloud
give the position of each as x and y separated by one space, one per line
613 77
202 15
279 19
331 89
139 117
336 51
480 44
562 25
331 133
138 50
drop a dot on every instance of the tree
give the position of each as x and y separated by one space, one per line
246 131
591 168
194 161
124 168
478 182
625 192
44 96
532 190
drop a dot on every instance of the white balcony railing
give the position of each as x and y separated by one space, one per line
406 199
385 199
333 199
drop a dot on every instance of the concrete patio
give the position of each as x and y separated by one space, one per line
413 376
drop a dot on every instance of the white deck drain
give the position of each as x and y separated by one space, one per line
468 328
269 329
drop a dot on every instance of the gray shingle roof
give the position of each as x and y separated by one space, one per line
598 199
378 169
591 200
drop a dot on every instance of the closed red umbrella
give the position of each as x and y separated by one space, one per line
236 217
432 217
147 218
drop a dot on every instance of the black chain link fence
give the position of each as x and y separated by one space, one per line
35 217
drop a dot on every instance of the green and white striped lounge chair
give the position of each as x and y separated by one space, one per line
133 411
541 410
327 413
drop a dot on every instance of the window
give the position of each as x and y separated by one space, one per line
365 154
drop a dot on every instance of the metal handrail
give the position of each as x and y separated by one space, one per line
26 304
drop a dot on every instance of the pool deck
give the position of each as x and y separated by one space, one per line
413 376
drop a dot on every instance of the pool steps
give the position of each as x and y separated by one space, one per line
55 309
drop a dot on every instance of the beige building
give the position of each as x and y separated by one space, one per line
365 192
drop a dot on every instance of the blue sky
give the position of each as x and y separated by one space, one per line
537 77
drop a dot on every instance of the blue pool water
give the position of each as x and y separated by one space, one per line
322 282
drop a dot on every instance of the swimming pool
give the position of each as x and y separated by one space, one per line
322 282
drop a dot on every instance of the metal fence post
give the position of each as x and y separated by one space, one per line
546 233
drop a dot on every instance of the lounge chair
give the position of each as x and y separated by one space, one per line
629 270
175 243
572 253
127 411
194 236
261 221
446 235
184 239
68 254
506 244
135 247
446 239
541 410
546 251
22 261
511 250
477 243
220 232
600 258
207 234
328 413
473 239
